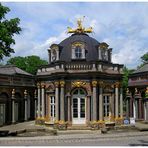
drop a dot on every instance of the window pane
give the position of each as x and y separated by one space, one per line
82 106
82 92
75 107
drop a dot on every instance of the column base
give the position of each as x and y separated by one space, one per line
118 120
60 125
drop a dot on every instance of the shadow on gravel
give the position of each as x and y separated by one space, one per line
142 143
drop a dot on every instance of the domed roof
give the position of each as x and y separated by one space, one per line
91 46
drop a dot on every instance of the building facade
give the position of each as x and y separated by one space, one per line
16 95
137 94
80 84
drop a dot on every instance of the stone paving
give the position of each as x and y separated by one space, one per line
81 138
21 126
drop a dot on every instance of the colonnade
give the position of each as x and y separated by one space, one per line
26 109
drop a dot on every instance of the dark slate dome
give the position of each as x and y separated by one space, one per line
91 46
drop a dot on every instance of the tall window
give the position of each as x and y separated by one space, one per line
52 108
78 52
106 106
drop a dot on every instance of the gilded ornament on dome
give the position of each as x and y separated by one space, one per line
80 28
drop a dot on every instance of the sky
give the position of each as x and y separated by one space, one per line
122 25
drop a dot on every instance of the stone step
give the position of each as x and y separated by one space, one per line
78 127
70 132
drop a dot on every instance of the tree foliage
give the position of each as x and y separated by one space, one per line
144 60
8 28
126 73
29 64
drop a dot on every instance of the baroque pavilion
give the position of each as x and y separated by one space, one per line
80 84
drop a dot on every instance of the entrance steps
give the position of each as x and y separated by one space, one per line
78 127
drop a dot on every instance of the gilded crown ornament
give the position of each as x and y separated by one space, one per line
80 28
78 84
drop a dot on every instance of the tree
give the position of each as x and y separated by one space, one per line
8 28
29 64
126 73
144 60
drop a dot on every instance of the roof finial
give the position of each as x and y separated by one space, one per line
80 28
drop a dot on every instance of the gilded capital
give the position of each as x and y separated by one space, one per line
94 83
43 85
56 83
117 84
25 92
62 83
38 85
101 84
13 91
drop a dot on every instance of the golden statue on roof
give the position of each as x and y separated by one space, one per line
80 28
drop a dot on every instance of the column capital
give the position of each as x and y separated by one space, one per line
43 85
13 94
56 83
25 94
101 83
62 83
117 84
94 83
38 85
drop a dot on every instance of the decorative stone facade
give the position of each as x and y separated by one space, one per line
81 85
17 100
136 95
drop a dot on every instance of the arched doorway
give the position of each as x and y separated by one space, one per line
3 108
79 106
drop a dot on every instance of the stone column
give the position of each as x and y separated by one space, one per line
100 100
94 84
131 107
39 101
134 109
127 107
116 100
140 108
43 100
69 107
121 103
35 104
88 108
26 108
57 100
62 112
13 106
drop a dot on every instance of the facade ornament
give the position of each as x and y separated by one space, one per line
38 85
78 84
62 83
94 83
103 45
25 94
80 28
43 85
127 91
136 91
56 83
13 93
117 84
101 84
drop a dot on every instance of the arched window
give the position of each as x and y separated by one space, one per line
78 52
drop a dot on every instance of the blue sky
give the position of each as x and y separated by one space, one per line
124 26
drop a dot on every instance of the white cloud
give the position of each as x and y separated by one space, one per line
124 26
